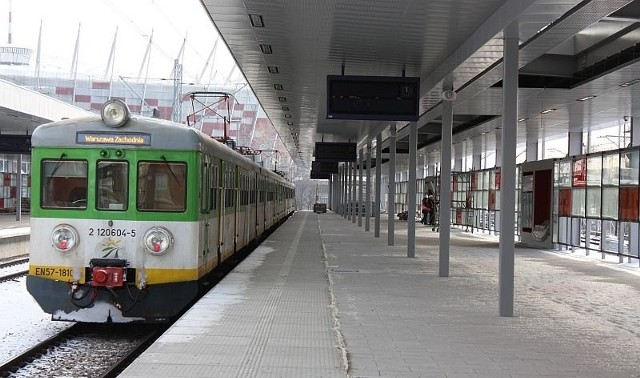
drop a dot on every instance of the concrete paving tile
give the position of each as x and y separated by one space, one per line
397 318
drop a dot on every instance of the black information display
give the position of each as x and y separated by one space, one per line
378 98
337 152
15 144
325 166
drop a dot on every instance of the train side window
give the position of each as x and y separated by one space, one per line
214 188
162 186
205 182
210 183
112 179
230 188
64 184
261 191
252 188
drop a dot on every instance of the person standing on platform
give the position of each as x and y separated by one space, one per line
424 209
431 209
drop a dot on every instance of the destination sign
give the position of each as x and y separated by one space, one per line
137 139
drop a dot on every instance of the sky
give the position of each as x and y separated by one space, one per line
96 21
170 21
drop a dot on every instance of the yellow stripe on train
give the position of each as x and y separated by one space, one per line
153 276
158 276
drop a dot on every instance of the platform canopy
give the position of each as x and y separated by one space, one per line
570 51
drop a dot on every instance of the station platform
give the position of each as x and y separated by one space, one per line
321 297
14 236
8 221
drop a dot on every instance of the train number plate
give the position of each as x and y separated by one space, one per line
53 273
117 232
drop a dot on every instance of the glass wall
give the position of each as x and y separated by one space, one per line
597 202
9 192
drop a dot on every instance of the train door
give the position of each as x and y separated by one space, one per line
205 258
270 215
267 205
228 220
241 225
214 215
236 206
260 214
252 220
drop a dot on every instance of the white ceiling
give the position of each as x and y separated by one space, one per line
457 40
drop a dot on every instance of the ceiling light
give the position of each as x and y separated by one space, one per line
282 99
278 87
256 20
543 28
266 49
273 69
290 123
285 108
546 111
586 98
522 119
631 82
287 116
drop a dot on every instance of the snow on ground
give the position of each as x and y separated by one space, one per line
23 324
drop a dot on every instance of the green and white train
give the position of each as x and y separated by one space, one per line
129 215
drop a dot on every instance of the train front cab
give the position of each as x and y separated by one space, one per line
106 213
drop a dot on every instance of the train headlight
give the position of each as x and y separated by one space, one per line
157 240
115 113
64 238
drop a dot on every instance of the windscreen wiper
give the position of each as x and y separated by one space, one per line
55 169
171 170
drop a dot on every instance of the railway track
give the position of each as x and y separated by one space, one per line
84 349
8 269
98 350
17 261
12 276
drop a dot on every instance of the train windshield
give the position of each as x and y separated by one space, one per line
162 186
64 184
113 185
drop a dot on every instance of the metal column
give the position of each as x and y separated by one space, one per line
498 164
360 189
532 148
342 190
508 170
378 183
339 192
336 192
445 184
476 152
575 143
635 132
330 199
411 190
348 202
19 191
354 192
367 199
392 184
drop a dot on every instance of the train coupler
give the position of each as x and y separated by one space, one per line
108 272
